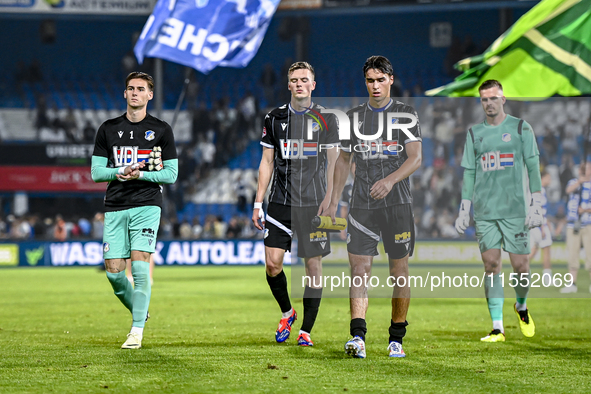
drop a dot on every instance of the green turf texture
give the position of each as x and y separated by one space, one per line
212 330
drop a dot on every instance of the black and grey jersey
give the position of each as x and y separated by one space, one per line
300 141
379 157
123 143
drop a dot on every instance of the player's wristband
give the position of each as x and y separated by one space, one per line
121 171
258 205
536 198
141 175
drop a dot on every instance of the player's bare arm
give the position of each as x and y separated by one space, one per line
341 173
265 173
381 188
331 157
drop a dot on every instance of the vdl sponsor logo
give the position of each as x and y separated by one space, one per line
298 149
126 155
495 161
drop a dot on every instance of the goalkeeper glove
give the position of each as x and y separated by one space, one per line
463 220
535 218
155 161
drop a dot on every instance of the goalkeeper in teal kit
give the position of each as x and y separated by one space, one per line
501 162
135 153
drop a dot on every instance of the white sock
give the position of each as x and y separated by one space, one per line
303 332
137 330
520 307
547 271
287 314
498 325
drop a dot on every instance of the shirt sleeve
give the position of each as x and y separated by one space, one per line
469 158
167 175
168 144
100 143
267 138
416 129
332 133
530 145
99 170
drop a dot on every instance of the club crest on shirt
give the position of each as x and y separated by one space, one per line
266 233
106 247
150 135
506 137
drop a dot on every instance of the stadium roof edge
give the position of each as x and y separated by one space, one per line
410 8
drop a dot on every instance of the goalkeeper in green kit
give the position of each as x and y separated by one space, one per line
497 154
136 154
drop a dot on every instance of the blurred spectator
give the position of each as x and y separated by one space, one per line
88 132
234 228
3 228
566 173
98 223
201 122
70 126
219 227
208 150
185 230
268 80
197 229
85 227
20 229
209 227
41 118
60 232
243 192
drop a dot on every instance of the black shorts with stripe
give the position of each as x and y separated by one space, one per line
282 221
394 224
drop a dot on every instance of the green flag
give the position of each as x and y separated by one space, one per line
546 52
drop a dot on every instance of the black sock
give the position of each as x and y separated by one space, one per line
278 285
397 331
358 328
312 298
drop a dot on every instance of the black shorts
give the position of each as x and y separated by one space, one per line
281 223
395 224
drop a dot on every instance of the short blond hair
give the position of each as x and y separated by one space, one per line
300 66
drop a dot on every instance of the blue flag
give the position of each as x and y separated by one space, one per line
204 34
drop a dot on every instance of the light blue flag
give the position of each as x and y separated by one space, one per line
204 34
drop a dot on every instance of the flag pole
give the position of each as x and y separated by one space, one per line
159 104
179 102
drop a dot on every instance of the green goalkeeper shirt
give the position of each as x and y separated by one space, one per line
498 154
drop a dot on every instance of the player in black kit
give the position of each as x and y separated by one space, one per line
293 139
381 198
135 153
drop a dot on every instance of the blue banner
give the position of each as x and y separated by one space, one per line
218 252
204 34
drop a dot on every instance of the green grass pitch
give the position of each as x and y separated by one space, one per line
212 330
